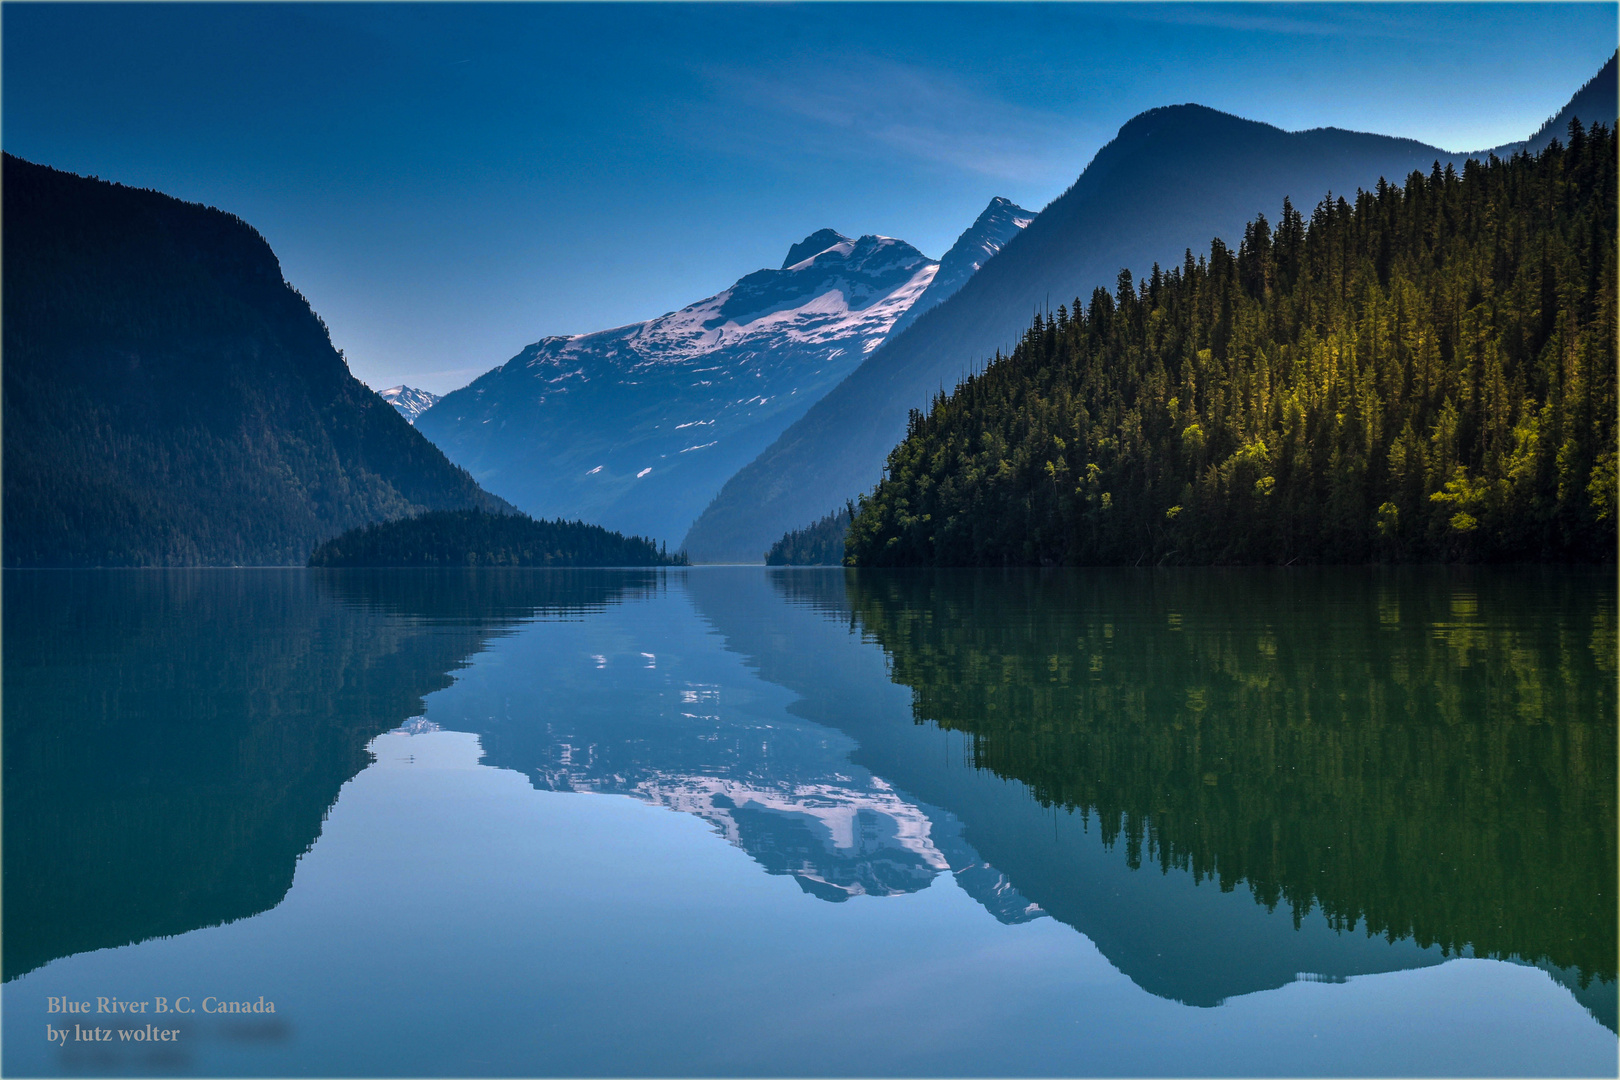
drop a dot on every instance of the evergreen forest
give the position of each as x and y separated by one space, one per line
480 538
1424 373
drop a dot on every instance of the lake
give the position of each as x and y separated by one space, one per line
737 821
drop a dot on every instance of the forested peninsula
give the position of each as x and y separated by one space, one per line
818 544
479 538
1426 373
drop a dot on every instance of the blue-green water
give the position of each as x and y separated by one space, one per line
730 821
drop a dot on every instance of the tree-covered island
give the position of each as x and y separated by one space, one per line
479 538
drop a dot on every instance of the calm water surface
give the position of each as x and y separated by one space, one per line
730 821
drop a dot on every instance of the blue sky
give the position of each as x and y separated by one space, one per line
449 182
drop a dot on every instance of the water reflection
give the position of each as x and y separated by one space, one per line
173 740
1392 767
491 597
1226 781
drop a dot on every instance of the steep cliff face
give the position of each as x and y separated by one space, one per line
170 400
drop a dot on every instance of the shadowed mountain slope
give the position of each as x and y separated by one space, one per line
1596 102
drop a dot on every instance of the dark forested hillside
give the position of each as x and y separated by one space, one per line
479 538
820 544
1425 373
169 399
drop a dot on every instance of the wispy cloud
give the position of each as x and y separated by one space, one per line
1324 21
863 107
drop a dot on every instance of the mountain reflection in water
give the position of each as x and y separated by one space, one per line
174 739
1227 781
783 790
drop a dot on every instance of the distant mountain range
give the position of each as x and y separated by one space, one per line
410 401
636 428
170 400
1172 179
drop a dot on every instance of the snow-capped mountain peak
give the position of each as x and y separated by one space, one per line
1000 222
859 271
813 245
410 401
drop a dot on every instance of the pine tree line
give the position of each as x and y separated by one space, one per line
820 544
